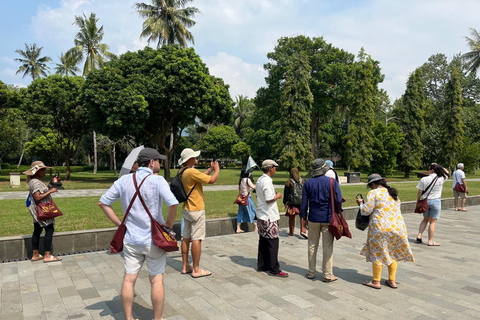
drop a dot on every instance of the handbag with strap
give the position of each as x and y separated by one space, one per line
116 245
338 226
422 205
361 222
47 210
162 239
459 187
241 200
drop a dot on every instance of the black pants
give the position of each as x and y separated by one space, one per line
47 240
268 255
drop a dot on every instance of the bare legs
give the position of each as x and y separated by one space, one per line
196 253
431 229
158 295
128 294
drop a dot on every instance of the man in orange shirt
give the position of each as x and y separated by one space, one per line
194 209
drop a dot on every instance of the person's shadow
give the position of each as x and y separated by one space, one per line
141 310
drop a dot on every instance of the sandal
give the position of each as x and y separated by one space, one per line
371 285
418 240
52 259
434 244
310 276
330 280
387 282
203 273
40 257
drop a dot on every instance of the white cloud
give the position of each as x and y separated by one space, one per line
8 72
243 78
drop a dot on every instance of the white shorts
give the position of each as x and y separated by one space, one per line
134 256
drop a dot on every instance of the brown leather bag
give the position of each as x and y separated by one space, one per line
47 210
422 205
338 226
116 245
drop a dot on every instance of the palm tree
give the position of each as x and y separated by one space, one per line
167 21
87 44
242 111
472 58
67 66
32 64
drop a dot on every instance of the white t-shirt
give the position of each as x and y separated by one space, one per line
331 174
266 191
436 192
458 175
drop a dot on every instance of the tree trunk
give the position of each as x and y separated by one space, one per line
67 173
114 159
23 150
89 160
94 152
314 134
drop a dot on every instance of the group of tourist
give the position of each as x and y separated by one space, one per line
311 200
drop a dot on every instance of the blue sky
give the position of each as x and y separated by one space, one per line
234 36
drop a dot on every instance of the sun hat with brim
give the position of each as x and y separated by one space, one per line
186 154
374 177
269 163
35 167
319 167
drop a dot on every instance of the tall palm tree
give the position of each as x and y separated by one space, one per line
167 21
67 66
87 44
32 64
242 111
472 58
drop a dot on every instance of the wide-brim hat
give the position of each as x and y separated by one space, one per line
35 167
374 177
186 154
319 167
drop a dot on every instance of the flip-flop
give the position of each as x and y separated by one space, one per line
330 280
203 274
464 210
388 284
418 240
434 244
241 231
370 284
40 257
188 271
52 259
304 235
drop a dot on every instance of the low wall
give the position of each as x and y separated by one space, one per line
20 247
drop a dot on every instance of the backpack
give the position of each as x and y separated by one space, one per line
176 186
296 195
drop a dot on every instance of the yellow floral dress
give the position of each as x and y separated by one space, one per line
387 239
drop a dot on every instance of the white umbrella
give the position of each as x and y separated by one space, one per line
130 160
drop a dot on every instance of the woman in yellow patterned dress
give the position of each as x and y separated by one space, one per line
387 240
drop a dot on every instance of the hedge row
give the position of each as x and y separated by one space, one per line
6 171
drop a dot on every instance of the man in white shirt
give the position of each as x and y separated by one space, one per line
268 216
459 177
138 245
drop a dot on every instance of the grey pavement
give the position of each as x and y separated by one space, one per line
442 283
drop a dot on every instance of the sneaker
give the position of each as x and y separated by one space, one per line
280 274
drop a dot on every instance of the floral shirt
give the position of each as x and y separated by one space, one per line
36 185
387 239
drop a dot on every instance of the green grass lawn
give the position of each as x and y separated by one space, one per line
84 213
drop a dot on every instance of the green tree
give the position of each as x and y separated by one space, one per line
360 135
296 103
410 111
219 140
46 148
166 21
386 146
472 58
175 84
32 63
243 109
241 150
88 44
66 67
453 125
52 105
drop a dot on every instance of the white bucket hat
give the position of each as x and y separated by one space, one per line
186 154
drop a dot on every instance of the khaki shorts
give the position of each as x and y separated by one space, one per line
457 194
194 224
134 256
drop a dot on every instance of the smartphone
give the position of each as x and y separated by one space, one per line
214 158
359 196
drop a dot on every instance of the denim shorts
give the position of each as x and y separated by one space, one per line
434 207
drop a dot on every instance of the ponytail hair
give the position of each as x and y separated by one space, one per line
391 191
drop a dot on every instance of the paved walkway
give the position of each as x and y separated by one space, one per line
443 283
